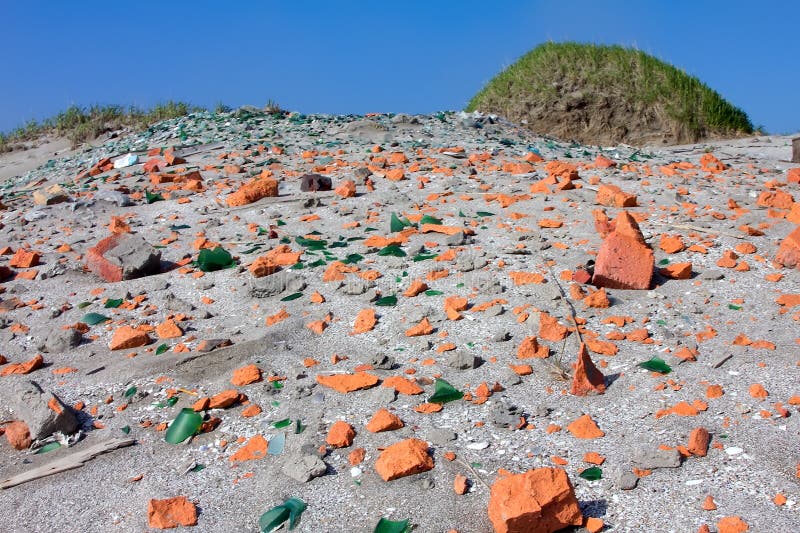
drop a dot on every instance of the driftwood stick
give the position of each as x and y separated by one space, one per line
75 460
697 228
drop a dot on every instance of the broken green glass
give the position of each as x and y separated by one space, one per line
93 318
213 260
591 474
276 444
427 219
391 526
286 513
656 364
279 424
443 392
184 426
113 303
293 296
48 447
392 250
387 301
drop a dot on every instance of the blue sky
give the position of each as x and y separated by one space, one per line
417 56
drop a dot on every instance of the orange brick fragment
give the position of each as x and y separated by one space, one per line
585 428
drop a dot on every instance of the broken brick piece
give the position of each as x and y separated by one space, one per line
585 428
789 250
345 383
698 441
384 420
256 448
24 259
624 261
340 434
404 458
253 191
613 196
530 347
171 512
541 500
246 375
587 379
126 337
18 435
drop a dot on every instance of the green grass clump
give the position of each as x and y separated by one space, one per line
596 93
81 124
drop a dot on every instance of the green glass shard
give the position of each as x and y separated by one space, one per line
427 219
150 197
113 303
94 318
276 444
213 260
387 301
282 423
184 426
443 392
591 474
311 244
352 259
484 214
48 447
433 293
392 526
287 512
161 349
398 224
656 364
392 250
291 297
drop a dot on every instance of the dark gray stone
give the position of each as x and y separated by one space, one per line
61 341
505 415
314 183
275 284
29 403
440 436
136 256
304 468
381 361
463 360
655 458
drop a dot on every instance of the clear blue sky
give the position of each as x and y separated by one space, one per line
415 56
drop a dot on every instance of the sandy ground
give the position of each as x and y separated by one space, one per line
754 454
